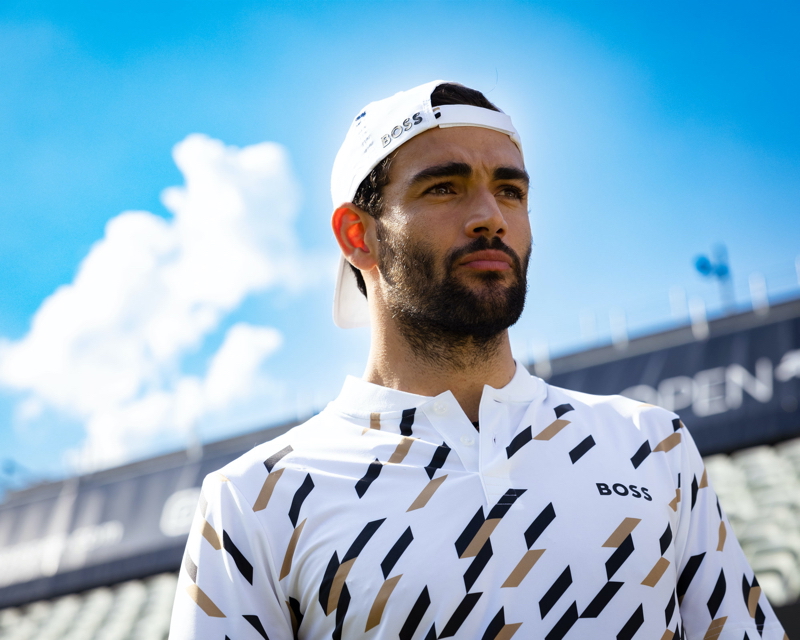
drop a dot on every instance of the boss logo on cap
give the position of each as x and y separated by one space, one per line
398 130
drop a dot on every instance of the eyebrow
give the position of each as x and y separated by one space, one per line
463 170
511 173
447 170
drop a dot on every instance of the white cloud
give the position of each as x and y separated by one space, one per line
107 347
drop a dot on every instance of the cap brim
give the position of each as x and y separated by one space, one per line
350 308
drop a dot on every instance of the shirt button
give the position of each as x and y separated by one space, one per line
440 408
467 441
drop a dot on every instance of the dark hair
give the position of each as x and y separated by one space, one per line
369 195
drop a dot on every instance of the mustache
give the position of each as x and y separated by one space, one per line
482 244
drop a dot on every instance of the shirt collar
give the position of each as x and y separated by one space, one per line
360 398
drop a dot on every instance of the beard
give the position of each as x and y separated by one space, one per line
439 315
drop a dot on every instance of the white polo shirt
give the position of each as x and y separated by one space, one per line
389 516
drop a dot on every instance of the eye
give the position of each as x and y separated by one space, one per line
510 191
441 189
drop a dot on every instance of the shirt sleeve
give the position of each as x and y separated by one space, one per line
227 586
717 591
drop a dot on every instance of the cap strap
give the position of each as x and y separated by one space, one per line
462 115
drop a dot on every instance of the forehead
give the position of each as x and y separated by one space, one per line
483 149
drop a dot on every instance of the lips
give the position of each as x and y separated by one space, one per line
487 260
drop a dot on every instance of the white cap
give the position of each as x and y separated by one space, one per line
379 129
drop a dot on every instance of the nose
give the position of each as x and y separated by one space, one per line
486 218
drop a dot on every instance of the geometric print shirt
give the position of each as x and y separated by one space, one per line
388 515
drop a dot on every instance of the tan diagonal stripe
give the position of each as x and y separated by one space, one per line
552 429
704 480
427 493
670 442
374 423
507 631
338 583
668 635
621 532
211 535
401 451
480 538
523 567
673 504
286 567
656 572
204 602
715 628
221 477
723 534
752 600
266 491
376 612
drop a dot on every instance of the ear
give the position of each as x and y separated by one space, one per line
354 230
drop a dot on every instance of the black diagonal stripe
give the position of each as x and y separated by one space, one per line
584 446
676 424
760 618
431 633
602 598
562 409
533 532
717 595
341 612
256 624
505 502
275 458
407 421
679 481
556 590
641 454
244 567
469 532
688 572
497 623
297 615
670 608
361 540
327 581
620 555
460 614
519 441
437 462
299 496
478 564
694 490
191 568
415 617
746 637
373 471
745 587
632 625
396 551
665 539
719 509
564 623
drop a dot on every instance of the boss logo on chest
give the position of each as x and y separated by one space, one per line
398 130
623 490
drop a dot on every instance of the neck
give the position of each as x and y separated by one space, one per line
403 360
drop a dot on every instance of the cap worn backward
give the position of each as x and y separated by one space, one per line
377 130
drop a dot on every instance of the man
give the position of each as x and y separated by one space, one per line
449 493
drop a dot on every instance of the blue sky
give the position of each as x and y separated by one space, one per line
652 131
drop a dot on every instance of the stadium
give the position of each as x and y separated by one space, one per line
97 556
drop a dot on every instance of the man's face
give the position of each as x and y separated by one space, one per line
454 233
